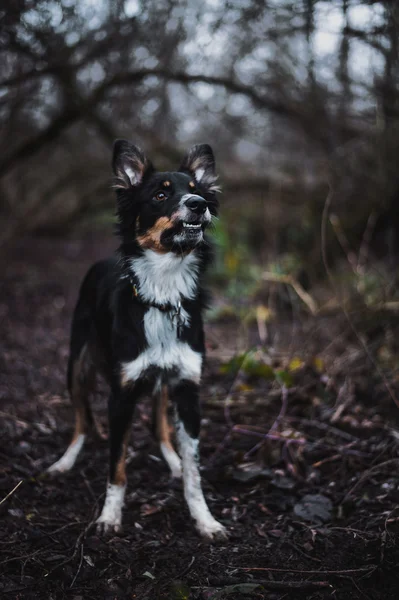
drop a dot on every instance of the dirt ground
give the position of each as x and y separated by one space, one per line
311 510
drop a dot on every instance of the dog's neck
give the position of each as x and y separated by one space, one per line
166 278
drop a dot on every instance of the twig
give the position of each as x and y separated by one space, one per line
375 469
267 436
329 459
365 245
17 420
12 491
31 555
297 549
229 397
312 571
348 388
390 305
283 410
186 570
79 567
261 323
289 280
343 240
271 585
324 219
324 427
228 400
76 547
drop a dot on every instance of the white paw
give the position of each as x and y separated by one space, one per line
66 462
107 526
61 466
110 519
212 530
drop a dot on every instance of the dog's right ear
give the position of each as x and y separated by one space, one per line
130 165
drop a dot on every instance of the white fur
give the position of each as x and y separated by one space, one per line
184 213
166 277
111 515
133 175
184 198
164 349
172 459
188 448
68 459
199 173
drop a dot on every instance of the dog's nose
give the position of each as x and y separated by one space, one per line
197 204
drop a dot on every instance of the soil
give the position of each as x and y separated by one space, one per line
311 510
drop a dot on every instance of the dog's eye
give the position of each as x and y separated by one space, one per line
160 196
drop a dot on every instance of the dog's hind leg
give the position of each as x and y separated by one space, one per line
163 433
81 379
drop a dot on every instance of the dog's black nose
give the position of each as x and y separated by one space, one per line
197 204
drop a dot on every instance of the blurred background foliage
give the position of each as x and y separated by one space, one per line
299 99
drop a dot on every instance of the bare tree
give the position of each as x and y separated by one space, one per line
253 79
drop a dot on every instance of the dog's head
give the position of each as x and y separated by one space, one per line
164 211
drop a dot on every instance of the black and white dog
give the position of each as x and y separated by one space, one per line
138 321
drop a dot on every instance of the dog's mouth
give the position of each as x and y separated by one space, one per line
192 225
189 233
191 228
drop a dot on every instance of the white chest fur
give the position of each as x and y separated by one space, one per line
165 279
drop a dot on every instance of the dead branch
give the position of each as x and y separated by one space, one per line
270 585
313 571
326 210
366 475
12 491
289 280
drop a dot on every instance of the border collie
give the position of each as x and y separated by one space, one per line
138 322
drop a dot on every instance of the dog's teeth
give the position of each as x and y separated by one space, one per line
192 225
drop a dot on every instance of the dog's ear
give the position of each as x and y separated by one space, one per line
200 162
130 165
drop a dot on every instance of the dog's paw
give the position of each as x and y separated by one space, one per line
107 527
68 459
60 466
212 531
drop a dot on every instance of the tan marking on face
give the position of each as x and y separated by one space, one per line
152 238
192 185
166 184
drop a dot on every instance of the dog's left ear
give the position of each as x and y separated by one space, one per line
130 164
200 163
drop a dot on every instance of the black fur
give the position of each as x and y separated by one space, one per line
164 214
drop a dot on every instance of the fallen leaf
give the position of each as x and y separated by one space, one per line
315 508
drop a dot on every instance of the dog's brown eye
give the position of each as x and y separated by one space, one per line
160 196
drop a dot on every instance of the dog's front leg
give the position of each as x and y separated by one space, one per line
120 411
186 397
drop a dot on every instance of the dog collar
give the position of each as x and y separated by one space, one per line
176 317
162 307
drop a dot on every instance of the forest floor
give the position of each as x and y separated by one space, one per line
311 509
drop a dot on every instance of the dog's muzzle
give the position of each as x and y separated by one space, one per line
196 204
193 216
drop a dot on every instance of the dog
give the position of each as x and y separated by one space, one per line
138 322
